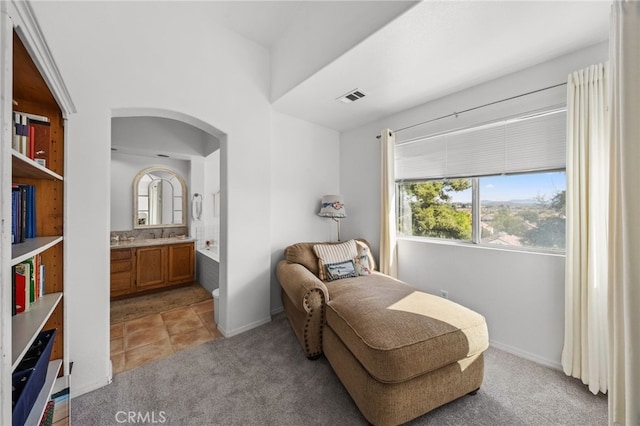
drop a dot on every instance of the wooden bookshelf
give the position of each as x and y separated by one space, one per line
31 94
29 91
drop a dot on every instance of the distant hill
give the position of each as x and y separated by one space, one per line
528 202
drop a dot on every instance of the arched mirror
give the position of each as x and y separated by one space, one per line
159 198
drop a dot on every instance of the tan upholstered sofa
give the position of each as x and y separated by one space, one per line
398 351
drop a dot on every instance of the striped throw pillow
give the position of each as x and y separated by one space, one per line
334 253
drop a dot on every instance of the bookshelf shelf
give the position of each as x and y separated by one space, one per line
45 394
24 167
25 326
22 251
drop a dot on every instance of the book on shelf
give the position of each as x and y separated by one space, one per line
32 136
23 213
41 281
41 143
13 290
34 117
24 134
16 132
31 211
28 283
34 272
22 289
15 208
47 416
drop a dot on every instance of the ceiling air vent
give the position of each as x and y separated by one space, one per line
351 96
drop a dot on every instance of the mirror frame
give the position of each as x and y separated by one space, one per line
136 181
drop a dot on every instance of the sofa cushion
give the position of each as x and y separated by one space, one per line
398 332
340 270
334 253
363 266
363 245
303 254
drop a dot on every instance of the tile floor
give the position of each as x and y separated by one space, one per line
153 337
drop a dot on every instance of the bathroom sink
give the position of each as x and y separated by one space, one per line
150 242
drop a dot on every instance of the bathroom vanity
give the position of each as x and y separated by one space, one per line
142 266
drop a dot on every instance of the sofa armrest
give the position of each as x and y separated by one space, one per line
305 290
303 299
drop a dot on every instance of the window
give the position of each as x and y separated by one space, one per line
501 183
436 208
525 210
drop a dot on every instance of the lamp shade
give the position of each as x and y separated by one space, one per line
332 206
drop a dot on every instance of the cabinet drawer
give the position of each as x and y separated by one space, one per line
120 281
121 254
121 266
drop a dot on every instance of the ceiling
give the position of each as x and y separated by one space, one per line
432 49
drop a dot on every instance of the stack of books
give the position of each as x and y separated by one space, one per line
32 136
28 283
23 213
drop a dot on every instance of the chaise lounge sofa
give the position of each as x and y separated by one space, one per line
398 351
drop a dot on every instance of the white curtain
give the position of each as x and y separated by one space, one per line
624 208
388 253
585 351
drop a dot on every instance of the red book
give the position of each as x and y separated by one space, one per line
32 141
22 289
42 143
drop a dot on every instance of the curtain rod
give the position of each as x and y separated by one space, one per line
455 114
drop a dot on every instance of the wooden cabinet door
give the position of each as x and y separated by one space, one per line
181 263
122 271
151 269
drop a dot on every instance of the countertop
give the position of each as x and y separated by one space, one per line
151 242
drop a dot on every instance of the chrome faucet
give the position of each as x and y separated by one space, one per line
172 234
153 235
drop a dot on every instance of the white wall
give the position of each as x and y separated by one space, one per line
124 168
159 135
211 186
206 181
305 166
165 55
520 294
311 42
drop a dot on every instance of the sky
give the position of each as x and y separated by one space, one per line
516 187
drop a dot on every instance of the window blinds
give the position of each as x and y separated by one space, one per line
524 144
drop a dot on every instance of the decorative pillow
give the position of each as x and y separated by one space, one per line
338 271
334 253
363 267
362 244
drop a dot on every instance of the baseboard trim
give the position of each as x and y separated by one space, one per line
526 355
277 310
244 328
75 391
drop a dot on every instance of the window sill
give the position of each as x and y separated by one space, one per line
481 246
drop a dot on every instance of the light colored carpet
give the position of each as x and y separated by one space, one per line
261 377
155 303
